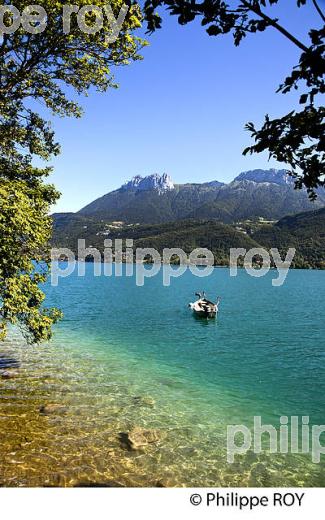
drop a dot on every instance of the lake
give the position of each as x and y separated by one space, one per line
127 356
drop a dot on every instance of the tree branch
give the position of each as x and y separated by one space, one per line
275 24
318 9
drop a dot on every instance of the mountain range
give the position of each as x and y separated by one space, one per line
258 209
157 199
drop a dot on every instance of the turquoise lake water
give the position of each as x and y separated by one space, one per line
128 356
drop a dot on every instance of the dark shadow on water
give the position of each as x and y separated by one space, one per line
204 321
8 362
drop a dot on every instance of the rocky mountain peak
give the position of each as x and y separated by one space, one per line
271 176
155 182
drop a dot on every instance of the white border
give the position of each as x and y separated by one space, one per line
145 504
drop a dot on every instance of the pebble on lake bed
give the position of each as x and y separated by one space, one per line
48 409
8 374
140 437
144 401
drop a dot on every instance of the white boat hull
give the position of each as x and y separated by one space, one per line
204 309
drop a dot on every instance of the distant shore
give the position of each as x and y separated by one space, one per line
220 266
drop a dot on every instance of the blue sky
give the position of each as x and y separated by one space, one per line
182 110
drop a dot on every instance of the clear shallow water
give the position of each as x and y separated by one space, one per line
129 356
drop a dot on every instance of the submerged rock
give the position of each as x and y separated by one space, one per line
49 409
144 401
109 484
140 437
165 483
172 383
8 374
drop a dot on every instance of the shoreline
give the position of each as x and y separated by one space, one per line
215 266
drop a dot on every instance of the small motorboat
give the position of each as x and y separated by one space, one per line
203 307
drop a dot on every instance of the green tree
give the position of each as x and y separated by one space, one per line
42 67
297 138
